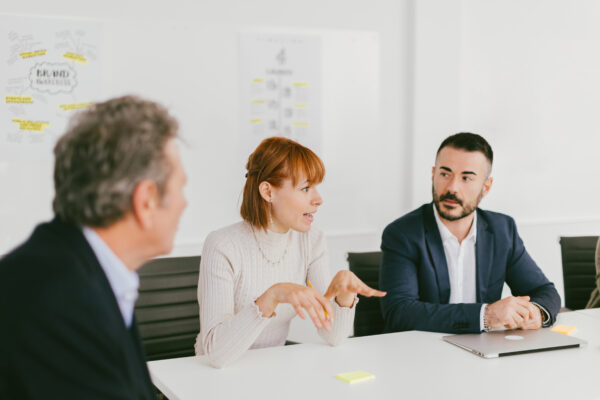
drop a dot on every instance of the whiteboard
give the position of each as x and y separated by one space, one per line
193 70
50 68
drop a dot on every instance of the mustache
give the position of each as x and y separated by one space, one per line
450 196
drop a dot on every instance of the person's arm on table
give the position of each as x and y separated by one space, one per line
525 278
402 309
512 313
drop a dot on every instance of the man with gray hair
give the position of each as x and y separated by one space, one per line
67 294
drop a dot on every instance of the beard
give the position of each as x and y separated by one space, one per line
467 209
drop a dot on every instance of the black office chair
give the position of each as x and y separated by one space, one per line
368 319
579 270
167 307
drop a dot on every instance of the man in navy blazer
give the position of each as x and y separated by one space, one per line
67 294
444 264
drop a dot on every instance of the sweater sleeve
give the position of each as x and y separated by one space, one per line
224 335
320 277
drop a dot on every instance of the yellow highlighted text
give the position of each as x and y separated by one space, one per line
75 57
36 126
66 107
19 99
28 54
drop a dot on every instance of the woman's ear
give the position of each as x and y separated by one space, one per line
265 191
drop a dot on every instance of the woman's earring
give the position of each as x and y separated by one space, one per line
271 213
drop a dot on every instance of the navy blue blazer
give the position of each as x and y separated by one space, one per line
414 273
63 334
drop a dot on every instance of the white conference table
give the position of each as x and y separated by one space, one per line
407 365
593 312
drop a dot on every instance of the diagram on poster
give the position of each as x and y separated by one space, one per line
49 69
280 88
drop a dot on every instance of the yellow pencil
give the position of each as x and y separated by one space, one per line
310 286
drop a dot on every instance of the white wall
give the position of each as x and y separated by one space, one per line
184 55
524 75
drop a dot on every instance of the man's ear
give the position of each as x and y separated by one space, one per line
432 173
145 203
265 191
487 185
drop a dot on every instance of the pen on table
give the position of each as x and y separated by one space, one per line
310 286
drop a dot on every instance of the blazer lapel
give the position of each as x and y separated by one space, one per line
484 255
78 243
436 252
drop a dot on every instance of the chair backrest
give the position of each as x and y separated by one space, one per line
167 307
579 270
368 319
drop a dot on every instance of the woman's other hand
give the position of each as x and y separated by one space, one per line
345 286
300 297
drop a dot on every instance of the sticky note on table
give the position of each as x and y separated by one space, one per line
564 329
355 376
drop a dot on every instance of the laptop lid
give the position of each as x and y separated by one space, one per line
511 342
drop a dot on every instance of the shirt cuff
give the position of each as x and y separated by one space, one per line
259 313
481 317
335 303
545 315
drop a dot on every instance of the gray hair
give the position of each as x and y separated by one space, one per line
107 150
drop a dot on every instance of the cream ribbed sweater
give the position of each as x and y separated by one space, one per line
235 270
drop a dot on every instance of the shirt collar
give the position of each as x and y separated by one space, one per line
445 232
124 282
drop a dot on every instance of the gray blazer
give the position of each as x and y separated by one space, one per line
595 297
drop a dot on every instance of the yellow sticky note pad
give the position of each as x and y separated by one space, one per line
356 376
564 329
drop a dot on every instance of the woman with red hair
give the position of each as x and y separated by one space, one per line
256 275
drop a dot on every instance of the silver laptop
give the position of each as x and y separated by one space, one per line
511 342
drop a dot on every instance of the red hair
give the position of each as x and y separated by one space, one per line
274 160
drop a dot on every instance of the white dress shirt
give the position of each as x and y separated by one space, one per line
461 261
124 283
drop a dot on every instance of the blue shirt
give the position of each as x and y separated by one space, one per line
124 283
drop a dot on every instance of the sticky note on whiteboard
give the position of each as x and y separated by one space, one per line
564 329
355 376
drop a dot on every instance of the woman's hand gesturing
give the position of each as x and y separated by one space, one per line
345 286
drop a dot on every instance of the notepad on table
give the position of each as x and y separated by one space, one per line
564 329
355 376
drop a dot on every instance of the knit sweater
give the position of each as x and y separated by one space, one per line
239 263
